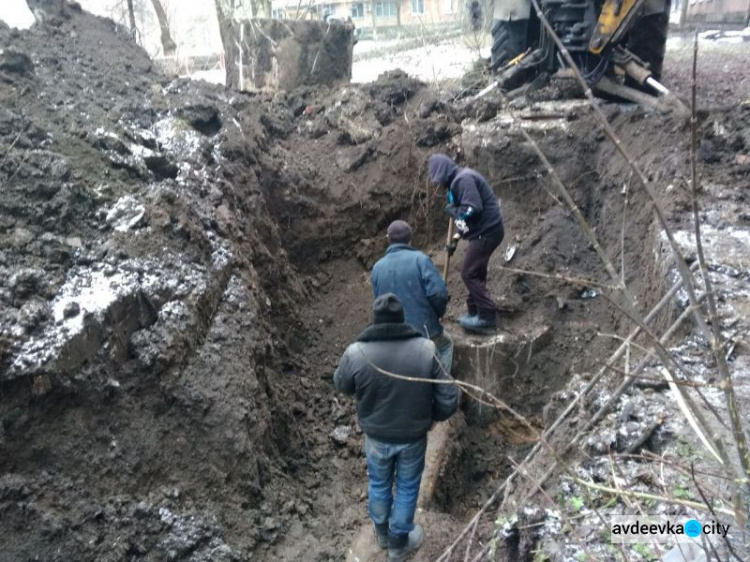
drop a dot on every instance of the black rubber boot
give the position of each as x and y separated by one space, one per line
401 546
381 533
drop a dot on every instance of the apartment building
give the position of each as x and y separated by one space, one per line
378 14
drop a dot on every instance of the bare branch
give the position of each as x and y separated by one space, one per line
10 149
561 418
716 340
645 496
566 521
713 512
559 277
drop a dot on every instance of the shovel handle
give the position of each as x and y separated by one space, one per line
448 256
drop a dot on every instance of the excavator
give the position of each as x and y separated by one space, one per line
618 45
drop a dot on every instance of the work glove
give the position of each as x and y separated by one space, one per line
461 226
450 248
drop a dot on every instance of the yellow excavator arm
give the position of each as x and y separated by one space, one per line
614 21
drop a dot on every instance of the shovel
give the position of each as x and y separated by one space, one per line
447 243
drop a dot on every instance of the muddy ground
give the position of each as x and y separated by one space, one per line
182 265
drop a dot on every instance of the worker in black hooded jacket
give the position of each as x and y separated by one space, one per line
476 211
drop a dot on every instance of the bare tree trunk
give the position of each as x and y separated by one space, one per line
263 9
398 17
684 12
374 22
747 16
131 19
223 26
220 14
167 43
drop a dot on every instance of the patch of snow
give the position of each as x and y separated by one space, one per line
125 214
176 137
141 151
94 292
88 294
215 76
431 63
726 246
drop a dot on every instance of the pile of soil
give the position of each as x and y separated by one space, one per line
165 246
156 395
182 265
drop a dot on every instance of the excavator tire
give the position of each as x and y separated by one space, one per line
648 40
508 41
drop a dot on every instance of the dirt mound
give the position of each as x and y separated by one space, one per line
181 266
153 231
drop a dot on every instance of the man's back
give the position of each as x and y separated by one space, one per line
392 409
411 275
473 189
395 414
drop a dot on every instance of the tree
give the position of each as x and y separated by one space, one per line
167 43
223 27
374 21
131 19
244 9
683 12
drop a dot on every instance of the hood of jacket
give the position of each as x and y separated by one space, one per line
442 169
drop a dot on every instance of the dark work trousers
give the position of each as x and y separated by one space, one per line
474 272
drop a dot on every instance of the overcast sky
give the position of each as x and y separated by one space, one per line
16 13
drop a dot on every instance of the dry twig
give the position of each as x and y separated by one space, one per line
715 338
738 430
547 497
645 496
559 277
713 512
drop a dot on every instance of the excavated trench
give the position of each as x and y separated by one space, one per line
182 267
550 328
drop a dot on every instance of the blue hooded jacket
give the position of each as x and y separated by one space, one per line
470 197
414 279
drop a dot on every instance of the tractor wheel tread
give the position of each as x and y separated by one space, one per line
648 40
508 41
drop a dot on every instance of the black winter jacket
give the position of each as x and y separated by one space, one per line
470 197
390 409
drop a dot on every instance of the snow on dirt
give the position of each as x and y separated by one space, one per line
210 271
437 60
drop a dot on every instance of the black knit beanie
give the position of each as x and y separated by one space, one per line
387 309
399 232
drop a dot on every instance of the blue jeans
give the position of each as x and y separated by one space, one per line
405 462
444 344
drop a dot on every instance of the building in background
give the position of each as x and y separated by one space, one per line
718 11
376 17
712 11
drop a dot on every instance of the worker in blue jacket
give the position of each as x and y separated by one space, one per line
414 279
